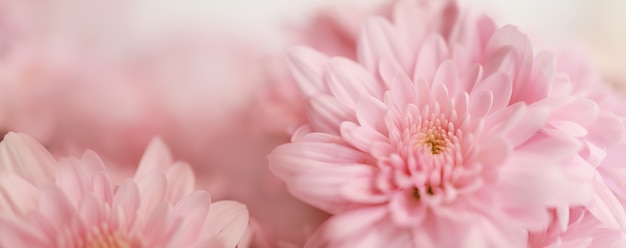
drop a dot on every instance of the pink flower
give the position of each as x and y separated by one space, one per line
72 202
445 128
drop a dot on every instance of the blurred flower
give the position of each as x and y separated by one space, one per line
73 203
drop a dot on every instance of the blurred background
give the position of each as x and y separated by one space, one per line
599 24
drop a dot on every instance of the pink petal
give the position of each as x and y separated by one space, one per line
543 70
378 40
193 210
370 113
571 128
432 52
56 208
389 70
180 181
606 207
362 138
319 151
530 123
554 146
351 223
91 210
308 67
407 212
152 190
156 224
361 190
73 179
23 155
328 114
228 221
349 82
493 152
92 163
327 187
520 57
534 219
17 196
548 182
606 131
580 110
18 233
401 92
156 157
506 61
127 197
500 85
102 188
447 76
480 104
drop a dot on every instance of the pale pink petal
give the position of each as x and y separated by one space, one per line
605 206
55 207
102 188
127 197
544 68
368 112
362 138
180 181
349 82
17 196
379 40
228 221
24 156
152 190
529 124
329 114
193 209
16 233
343 226
307 67
480 104
433 51
156 157
156 225
501 87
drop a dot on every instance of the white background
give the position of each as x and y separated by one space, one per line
600 24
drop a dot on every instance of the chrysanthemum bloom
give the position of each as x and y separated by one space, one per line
441 133
72 202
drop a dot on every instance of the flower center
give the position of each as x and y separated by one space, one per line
431 135
104 237
434 139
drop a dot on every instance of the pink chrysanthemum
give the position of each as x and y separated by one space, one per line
452 128
72 202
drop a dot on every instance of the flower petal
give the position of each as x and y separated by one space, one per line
228 221
24 156
307 67
156 157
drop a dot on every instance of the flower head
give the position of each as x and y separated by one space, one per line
72 202
449 128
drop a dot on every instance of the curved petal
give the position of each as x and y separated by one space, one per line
24 156
308 68
156 157
228 221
